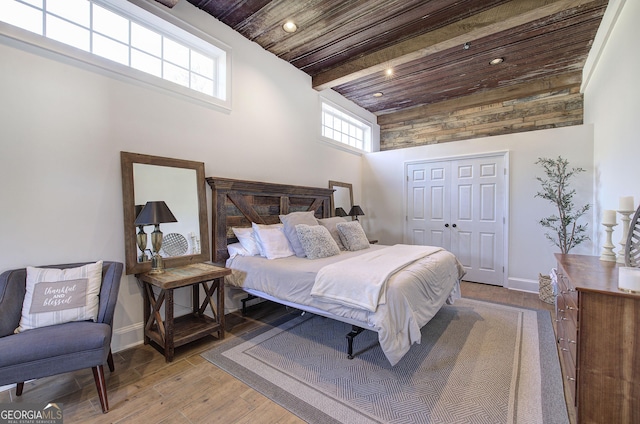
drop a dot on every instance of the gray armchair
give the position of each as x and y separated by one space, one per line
56 349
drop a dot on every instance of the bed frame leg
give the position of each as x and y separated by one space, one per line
244 303
355 330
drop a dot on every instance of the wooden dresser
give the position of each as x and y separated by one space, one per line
598 333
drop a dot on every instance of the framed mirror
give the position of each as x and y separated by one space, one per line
181 185
342 196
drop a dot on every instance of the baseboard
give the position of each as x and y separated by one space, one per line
127 337
522 284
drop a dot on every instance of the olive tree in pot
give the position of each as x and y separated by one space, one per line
564 229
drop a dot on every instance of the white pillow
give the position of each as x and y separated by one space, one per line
316 241
330 224
352 235
236 249
247 239
272 241
55 296
290 221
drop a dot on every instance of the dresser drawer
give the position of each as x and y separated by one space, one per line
566 289
569 375
568 338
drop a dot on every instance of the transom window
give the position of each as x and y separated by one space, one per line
340 126
126 34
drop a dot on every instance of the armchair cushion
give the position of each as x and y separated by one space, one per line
57 296
63 348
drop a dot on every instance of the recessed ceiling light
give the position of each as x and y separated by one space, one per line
290 27
389 72
378 94
496 61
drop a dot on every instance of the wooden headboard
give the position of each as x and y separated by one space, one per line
238 203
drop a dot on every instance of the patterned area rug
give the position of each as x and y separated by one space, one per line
478 362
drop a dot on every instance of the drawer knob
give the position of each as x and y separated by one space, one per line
564 319
572 341
571 378
564 349
571 308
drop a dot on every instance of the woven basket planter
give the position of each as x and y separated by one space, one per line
546 289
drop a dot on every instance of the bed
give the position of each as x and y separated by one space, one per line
408 299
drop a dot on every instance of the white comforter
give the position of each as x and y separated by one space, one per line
361 281
413 294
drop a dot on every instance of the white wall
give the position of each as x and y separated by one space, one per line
529 251
612 106
62 127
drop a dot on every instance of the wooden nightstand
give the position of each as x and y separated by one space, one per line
172 332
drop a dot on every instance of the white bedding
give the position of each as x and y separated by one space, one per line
413 295
361 281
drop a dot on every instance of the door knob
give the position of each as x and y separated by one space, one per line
446 225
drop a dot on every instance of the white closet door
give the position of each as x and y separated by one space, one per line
477 216
459 205
428 204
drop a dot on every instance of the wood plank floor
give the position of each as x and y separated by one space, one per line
144 388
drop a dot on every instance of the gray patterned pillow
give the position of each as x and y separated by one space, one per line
352 235
316 241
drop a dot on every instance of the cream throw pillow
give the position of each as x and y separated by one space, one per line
55 296
272 241
330 224
290 221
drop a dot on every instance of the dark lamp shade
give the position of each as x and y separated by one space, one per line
340 212
356 211
155 213
138 210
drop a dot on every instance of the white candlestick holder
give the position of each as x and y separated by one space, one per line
626 219
607 248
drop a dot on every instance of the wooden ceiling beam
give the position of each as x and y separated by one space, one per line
500 18
484 97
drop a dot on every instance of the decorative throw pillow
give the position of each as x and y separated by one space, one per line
316 241
247 239
290 221
352 235
330 224
55 296
272 241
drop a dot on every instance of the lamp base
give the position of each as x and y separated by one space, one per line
157 264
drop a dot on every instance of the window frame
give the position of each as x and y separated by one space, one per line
339 144
153 18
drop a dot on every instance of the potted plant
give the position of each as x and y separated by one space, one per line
564 229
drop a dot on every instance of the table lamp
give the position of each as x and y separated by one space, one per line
340 212
155 213
356 211
141 237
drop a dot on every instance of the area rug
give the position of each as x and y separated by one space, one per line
478 362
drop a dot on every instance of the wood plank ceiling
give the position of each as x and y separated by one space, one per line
438 50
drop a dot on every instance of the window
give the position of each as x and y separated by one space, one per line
340 126
127 35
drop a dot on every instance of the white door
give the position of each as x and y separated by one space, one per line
459 205
429 198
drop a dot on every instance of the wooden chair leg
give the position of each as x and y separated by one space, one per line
19 388
112 367
98 376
